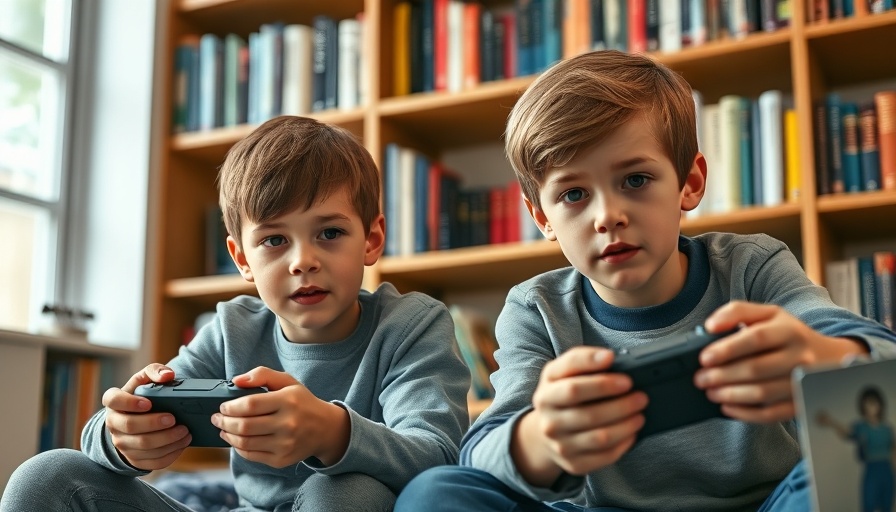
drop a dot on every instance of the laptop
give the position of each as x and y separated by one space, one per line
847 432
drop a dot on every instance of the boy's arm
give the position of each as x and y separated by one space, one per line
424 404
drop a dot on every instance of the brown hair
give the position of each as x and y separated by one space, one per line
293 162
580 101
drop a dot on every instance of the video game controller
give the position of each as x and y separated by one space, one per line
664 369
192 402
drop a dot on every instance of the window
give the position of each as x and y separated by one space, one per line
35 105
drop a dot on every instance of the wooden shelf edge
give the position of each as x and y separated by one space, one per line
80 347
742 216
724 47
848 25
197 287
484 91
856 201
483 254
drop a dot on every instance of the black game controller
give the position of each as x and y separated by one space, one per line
664 370
192 402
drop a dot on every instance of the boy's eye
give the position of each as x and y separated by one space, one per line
331 233
273 241
636 181
573 196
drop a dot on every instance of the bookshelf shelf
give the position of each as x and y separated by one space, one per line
804 61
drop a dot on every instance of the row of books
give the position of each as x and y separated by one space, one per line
72 393
451 45
282 69
855 143
824 10
865 285
750 146
427 207
477 345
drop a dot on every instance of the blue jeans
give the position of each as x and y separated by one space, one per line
458 488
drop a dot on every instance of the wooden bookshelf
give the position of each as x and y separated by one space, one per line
804 60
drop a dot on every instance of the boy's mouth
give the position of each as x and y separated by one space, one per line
618 252
309 295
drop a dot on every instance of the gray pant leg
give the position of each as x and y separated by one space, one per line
350 492
63 479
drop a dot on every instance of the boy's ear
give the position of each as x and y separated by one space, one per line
376 241
239 258
540 220
694 184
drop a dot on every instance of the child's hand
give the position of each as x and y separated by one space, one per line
148 440
284 426
749 371
583 419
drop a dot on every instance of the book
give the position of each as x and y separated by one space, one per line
852 165
440 45
712 152
868 148
726 175
211 82
637 26
407 205
771 114
401 48
747 166
480 385
652 19
217 258
391 197
185 115
670 25
868 287
820 148
835 142
421 199
756 129
233 96
297 69
470 74
324 66
348 64
884 272
616 24
455 46
885 105
427 45
793 179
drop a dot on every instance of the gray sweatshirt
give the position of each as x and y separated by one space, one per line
719 464
398 375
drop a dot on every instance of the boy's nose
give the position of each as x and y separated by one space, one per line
304 260
609 217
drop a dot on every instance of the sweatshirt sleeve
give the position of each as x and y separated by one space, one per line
424 404
525 347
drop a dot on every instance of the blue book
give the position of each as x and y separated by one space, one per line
756 132
525 63
868 287
552 21
869 153
253 107
427 35
537 32
835 139
391 197
852 168
747 166
211 82
421 203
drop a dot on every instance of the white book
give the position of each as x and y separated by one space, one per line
349 63
712 154
701 144
738 22
698 22
853 288
727 171
364 73
771 119
210 74
670 25
841 279
267 43
406 160
297 71
455 46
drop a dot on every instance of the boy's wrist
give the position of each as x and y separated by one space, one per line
335 429
529 456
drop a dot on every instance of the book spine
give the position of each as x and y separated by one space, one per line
421 203
440 45
670 25
885 103
868 147
820 148
793 184
852 166
637 26
884 271
349 63
319 64
455 46
391 197
868 287
401 49
747 167
771 117
756 128
835 146
652 19
471 45
427 34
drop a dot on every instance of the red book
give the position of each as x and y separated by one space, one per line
637 26
435 204
472 13
440 44
508 19
513 207
885 101
497 212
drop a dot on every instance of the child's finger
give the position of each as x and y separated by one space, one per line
154 372
749 341
578 361
737 312
596 414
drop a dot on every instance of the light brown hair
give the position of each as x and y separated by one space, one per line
580 101
294 162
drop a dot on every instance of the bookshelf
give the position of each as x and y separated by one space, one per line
806 60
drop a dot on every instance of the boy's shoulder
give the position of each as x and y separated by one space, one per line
725 245
387 299
553 283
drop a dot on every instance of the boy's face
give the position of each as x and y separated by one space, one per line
615 211
308 266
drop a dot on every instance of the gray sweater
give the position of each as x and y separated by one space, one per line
398 375
719 464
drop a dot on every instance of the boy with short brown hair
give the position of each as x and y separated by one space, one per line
365 389
605 148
